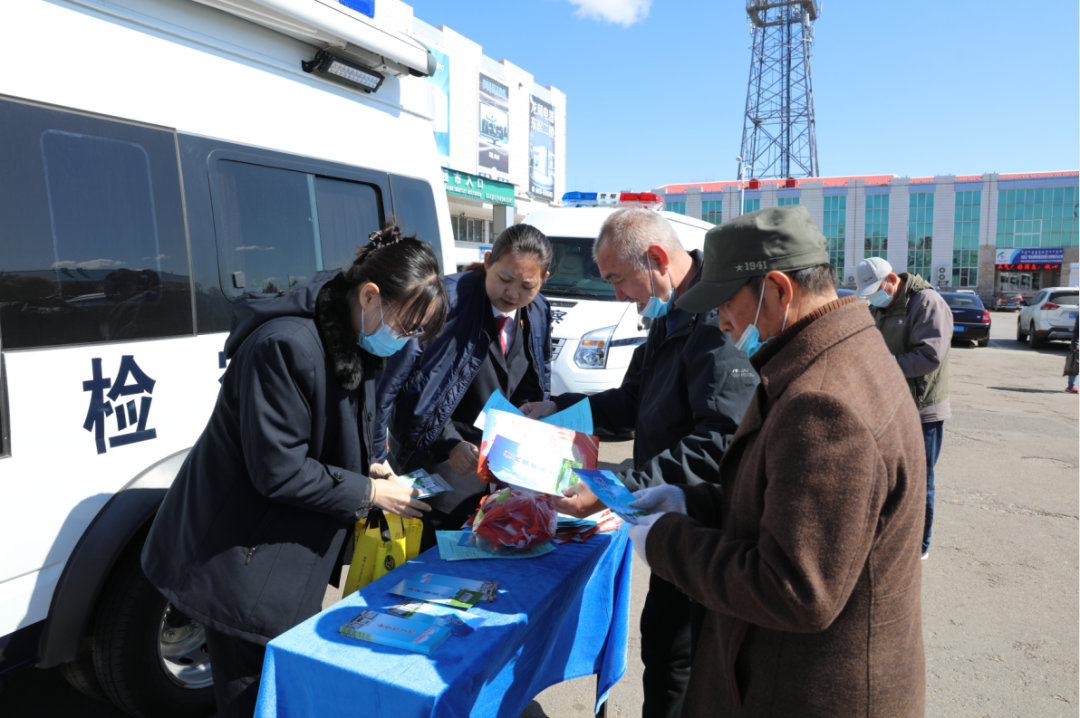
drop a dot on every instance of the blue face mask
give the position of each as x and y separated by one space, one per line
655 307
385 341
880 298
748 342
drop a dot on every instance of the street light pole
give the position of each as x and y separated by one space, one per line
740 161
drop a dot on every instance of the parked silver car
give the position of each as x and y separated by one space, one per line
1050 314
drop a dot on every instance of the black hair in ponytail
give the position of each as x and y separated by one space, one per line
519 240
406 272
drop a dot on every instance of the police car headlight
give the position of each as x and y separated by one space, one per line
592 352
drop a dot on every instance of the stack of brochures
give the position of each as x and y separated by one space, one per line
438 607
574 530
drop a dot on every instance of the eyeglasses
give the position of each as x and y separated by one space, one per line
404 335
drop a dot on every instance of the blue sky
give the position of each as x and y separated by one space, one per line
656 89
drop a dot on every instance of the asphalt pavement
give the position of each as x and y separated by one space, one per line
1000 601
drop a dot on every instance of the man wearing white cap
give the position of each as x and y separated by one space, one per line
917 326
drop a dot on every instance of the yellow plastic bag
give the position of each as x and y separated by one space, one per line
391 553
373 557
414 530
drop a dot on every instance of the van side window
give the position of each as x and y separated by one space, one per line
414 207
92 241
277 227
348 213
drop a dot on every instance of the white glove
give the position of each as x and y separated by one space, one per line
660 498
639 534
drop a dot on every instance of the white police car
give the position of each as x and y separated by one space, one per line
593 334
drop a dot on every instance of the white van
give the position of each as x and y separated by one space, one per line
594 335
159 158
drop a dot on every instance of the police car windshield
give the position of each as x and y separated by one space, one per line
574 272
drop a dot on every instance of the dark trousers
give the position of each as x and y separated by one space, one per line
933 433
666 648
237 668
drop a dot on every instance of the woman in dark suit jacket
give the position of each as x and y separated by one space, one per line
497 337
252 528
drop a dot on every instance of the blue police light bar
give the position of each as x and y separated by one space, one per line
579 199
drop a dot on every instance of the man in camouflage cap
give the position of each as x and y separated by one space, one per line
806 554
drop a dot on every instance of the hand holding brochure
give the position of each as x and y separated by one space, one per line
609 489
575 418
429 484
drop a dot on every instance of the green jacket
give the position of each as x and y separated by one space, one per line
918 331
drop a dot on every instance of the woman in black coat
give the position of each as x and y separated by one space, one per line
497 338
252 528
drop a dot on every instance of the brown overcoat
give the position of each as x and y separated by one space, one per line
806 556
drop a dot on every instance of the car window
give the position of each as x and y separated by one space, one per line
92 244
1065 298
414 208
963 301
348 213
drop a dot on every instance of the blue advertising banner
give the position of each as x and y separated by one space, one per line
439 104
1031 256
541 149
493 146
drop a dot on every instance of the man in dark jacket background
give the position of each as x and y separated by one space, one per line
917 325
683 396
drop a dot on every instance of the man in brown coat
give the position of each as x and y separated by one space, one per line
806 556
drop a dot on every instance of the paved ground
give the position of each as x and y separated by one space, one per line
1000 602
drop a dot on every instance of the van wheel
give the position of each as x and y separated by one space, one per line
80 673
150 659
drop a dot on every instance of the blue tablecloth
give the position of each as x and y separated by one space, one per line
558 617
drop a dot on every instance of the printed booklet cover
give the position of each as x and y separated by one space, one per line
460 623
533 455
387 630
429 484
611 491
447 590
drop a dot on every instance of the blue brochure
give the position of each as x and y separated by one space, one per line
460 623
611 491
394 631
576 418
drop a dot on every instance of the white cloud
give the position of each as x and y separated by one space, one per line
617 12
159 257
92 264
253 246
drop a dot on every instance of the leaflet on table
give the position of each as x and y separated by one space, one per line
460 623
451 548
447 590
610 490
534 455
429 484
387 630
575 418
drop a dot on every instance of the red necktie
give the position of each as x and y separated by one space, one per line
500 322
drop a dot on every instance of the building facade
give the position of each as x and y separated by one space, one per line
991 233
501 136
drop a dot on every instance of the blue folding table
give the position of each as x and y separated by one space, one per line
557 617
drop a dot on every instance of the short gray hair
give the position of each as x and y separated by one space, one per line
631 231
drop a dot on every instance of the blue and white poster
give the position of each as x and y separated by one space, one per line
494 138
439 104
541 148
1030 255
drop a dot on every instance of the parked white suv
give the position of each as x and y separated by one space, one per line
1050 314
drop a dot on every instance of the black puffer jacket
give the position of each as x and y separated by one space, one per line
250 531
683 396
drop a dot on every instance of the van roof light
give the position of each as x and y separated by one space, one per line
333 67
641 199
613 199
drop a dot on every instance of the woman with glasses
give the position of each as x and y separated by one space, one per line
497 338
255 523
